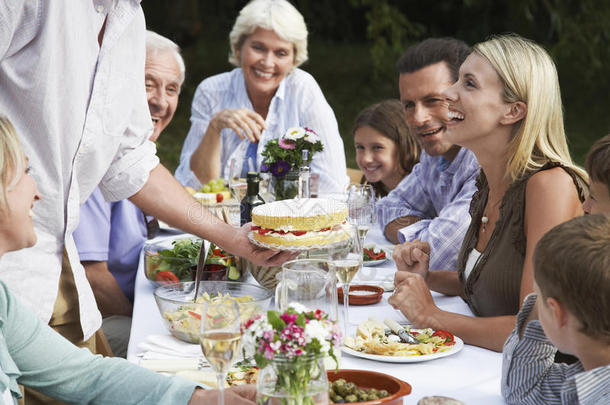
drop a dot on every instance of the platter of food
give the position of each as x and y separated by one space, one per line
374 341
238 375
374 256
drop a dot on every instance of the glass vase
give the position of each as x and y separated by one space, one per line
298 381
287 186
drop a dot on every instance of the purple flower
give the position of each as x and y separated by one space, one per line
280 168
264 167
286 144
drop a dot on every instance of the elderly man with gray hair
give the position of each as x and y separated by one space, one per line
110 235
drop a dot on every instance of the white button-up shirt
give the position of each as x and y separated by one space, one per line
298 101
82 117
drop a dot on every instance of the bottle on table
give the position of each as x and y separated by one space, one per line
303 191
252 198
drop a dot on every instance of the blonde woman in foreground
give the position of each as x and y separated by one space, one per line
34 355
506 108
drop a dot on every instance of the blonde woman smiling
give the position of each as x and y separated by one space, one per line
506 108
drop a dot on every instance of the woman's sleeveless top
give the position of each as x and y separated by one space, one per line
493 286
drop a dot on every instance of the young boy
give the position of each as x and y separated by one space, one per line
572 283
598 167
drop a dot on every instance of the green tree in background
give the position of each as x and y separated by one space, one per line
354 44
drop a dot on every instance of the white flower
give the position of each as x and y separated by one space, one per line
294 133
311 137
298 307
318 330
254 332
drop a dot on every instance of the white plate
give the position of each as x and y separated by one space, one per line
459 344
370 263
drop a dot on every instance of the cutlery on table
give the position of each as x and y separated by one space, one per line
404 334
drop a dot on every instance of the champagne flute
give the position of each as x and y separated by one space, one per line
361 204
220 337
237 184
346 259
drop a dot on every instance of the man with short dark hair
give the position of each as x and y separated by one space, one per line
430 206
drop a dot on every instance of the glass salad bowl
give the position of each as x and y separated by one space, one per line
182 316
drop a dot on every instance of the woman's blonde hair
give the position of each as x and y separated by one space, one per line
12 159
529 75
277 15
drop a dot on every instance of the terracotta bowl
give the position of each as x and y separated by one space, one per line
365 295
372 379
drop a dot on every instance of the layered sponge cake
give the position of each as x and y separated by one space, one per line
300 222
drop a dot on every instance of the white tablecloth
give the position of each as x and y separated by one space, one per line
472 375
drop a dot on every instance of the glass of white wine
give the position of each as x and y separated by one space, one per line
220 337
361 204
346 259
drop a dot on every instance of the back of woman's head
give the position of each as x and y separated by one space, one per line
529 75
12 159
388 118
277 15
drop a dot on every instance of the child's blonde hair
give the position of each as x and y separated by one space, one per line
572 265
12 159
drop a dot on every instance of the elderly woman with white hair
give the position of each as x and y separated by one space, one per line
235 113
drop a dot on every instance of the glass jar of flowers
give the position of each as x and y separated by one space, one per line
282 158
289 349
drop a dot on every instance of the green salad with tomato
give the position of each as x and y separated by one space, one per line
180 263
372 253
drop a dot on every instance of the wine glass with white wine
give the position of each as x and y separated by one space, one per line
361 204
220 337
346 259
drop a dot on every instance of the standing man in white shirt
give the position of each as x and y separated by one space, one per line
71 80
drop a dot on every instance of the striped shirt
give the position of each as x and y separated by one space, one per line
298 101
530 376
438 192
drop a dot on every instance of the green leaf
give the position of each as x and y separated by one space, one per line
260 360
275 321
301 320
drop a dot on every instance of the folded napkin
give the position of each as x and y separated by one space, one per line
167 347
174 365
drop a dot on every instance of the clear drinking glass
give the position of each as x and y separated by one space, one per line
237 184
220 337
346 259
361 204
309 282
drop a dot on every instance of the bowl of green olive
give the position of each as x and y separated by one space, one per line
365 387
